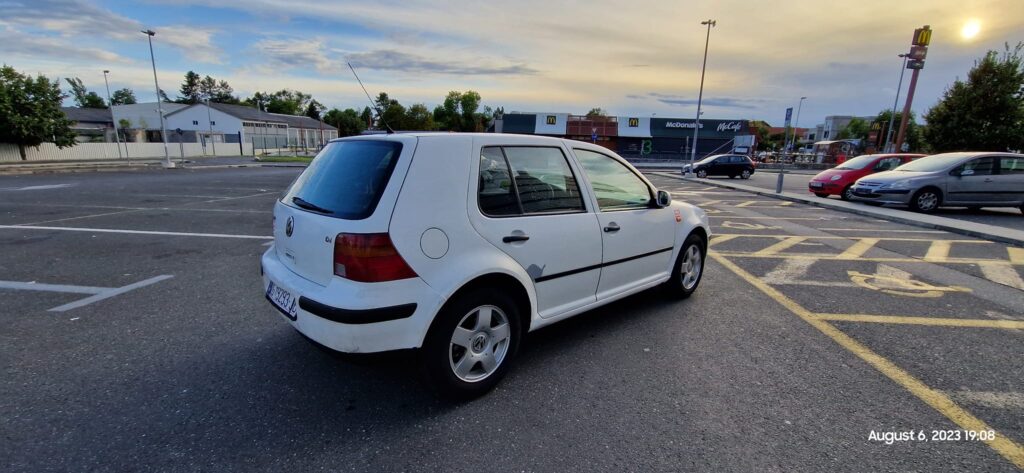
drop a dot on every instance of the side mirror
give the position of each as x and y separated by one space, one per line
662 199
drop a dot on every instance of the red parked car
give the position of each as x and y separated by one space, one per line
839 180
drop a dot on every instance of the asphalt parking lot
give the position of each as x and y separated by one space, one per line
797 182
136 337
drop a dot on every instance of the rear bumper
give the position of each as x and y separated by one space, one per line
356 317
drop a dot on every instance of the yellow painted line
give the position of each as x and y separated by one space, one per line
1003 273
1016 255
836 237
710 202
932 321
938 251
720 239
879 230
765 218
858 249
789 242
938 400
819 256
747 203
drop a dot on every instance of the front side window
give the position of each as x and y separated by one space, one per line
980 166
615 186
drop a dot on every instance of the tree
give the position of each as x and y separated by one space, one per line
348 121
914 139
857 129
366 116
284 101
458 112
30 111
985 113
419 118
189 91
313 109
123 96
597 112
84 98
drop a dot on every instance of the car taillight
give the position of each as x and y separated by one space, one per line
369 258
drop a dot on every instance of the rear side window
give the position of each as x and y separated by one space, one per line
346 179
527 180
1011 165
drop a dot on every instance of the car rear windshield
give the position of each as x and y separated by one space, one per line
346 179
935 162
860 162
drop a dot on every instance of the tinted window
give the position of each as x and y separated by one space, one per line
346 179
615 186
860 162
543 180
1013 165
886 164
496 194
980 166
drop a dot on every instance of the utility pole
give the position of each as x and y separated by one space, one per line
117 136
159 101
895 103
918 51
796 125
700 96
209 119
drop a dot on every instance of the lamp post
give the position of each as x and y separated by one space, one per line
700 95
796 124
895 103
159 102
117 136
209 120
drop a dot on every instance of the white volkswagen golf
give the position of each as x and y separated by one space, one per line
460 244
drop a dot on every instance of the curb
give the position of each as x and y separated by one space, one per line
978 230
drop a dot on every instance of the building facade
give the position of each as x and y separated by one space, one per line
636 136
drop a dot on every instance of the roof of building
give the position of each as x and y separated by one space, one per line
245 112
94 115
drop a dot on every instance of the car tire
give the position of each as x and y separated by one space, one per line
688 268
459 372
702 173
847 193
926 200
745 174
821 194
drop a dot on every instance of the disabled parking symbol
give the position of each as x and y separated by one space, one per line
901 286
746 226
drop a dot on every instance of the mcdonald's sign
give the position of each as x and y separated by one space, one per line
922 36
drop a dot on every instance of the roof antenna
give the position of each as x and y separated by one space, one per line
372 104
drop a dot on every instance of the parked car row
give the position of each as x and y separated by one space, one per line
925 183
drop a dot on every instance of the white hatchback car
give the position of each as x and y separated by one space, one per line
459 244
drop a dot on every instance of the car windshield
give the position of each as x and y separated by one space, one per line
937 162
860 162
709 159
346 179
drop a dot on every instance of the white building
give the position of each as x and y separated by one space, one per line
223 123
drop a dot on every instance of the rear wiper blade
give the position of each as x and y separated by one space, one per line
309 206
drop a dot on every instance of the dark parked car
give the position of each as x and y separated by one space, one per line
731 165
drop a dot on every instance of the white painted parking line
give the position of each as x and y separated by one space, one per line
110 293
96 293
77 206
36 188
134 232
239 197
80 217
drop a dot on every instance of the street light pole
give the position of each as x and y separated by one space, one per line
700 96
895 103
796 124
117 136
209 120
159 101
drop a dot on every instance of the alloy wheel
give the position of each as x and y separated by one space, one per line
693 263
479 343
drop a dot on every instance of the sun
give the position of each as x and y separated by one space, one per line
970 29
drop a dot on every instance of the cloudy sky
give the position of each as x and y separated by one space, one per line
628 57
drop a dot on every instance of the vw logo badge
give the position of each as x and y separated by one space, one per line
289 226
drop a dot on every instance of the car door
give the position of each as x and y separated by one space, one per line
531 206
973 183
1009 181
638 237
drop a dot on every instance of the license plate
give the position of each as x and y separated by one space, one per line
283 299
817 184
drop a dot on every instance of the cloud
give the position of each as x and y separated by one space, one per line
79 20
723 102
20 44
391 60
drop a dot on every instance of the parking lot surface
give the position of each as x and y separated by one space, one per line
136 337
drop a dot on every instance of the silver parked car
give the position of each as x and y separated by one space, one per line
974 180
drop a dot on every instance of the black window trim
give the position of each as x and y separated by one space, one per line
515 187
650 192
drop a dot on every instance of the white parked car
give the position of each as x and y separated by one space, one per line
459 244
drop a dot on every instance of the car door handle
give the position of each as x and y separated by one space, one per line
988 179
612 228
515 238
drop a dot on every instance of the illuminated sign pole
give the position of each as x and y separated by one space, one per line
915 62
